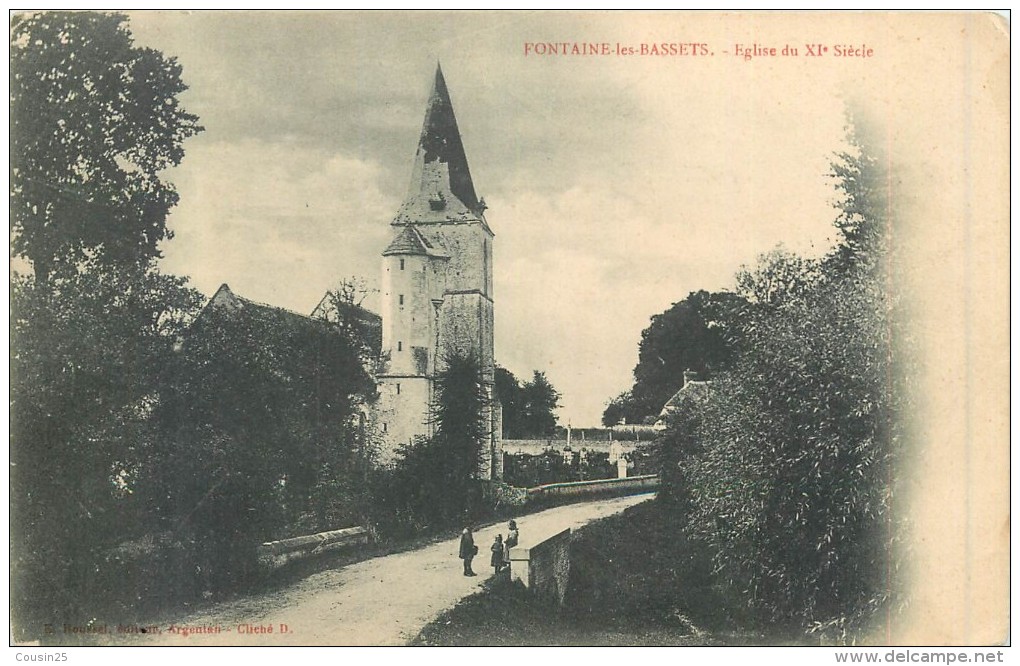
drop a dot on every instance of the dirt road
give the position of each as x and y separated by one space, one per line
381 601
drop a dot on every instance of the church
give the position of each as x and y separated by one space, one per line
437 295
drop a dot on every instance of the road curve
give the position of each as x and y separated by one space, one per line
381 601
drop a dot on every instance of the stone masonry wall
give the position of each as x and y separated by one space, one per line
544 566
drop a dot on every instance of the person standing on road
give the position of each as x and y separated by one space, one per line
496 561
468 550
512 538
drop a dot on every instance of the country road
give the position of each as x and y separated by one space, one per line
381 601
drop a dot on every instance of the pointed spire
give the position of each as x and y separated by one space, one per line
440 165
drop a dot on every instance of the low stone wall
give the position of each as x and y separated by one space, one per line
511 496
632 485
277 553
543 566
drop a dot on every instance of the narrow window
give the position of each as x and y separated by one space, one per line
400 345
401 264
384 427
398 388
401 299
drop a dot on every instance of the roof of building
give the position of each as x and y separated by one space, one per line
690 388
368 323
411 241
441 189
694 387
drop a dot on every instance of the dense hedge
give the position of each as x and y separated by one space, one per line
785 469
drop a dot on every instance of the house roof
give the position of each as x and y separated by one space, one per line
689 388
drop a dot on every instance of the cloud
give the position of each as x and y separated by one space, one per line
281 223
616 186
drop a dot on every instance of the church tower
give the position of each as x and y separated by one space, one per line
437 296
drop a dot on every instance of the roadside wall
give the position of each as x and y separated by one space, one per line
632 485
543 566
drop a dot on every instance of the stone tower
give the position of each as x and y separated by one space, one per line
436 286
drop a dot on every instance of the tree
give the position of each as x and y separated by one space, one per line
693 334
540 401
622 409
256 434
86 350
94 120
785 468
529 409
435 483
342 307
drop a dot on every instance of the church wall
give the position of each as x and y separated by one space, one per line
408 315
401 417
470 248
467 329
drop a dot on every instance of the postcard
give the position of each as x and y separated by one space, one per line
509 328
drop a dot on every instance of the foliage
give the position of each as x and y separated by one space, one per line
342 307
785 469
94 120
435 483
527 471
528 409
258 428
540 401
690 335
85 350
508 392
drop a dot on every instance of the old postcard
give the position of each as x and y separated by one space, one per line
509 328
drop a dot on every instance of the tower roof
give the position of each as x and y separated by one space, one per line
411 241
406 242
441 189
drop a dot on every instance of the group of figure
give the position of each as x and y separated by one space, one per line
500 549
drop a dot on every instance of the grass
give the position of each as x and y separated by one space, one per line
634 580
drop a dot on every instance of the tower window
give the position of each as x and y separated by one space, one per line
398 388
401 299
401 264
384 427
400 345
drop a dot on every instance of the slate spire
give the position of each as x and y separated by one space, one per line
440 165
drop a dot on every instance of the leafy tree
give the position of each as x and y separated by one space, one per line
540 401
508 392
94 120
623 409
86 349
342 307
435 483
784 470
257 434
691 335
528 409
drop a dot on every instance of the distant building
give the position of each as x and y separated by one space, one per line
692 386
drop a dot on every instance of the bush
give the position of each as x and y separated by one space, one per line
785 469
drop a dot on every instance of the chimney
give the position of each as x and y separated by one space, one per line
690 376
